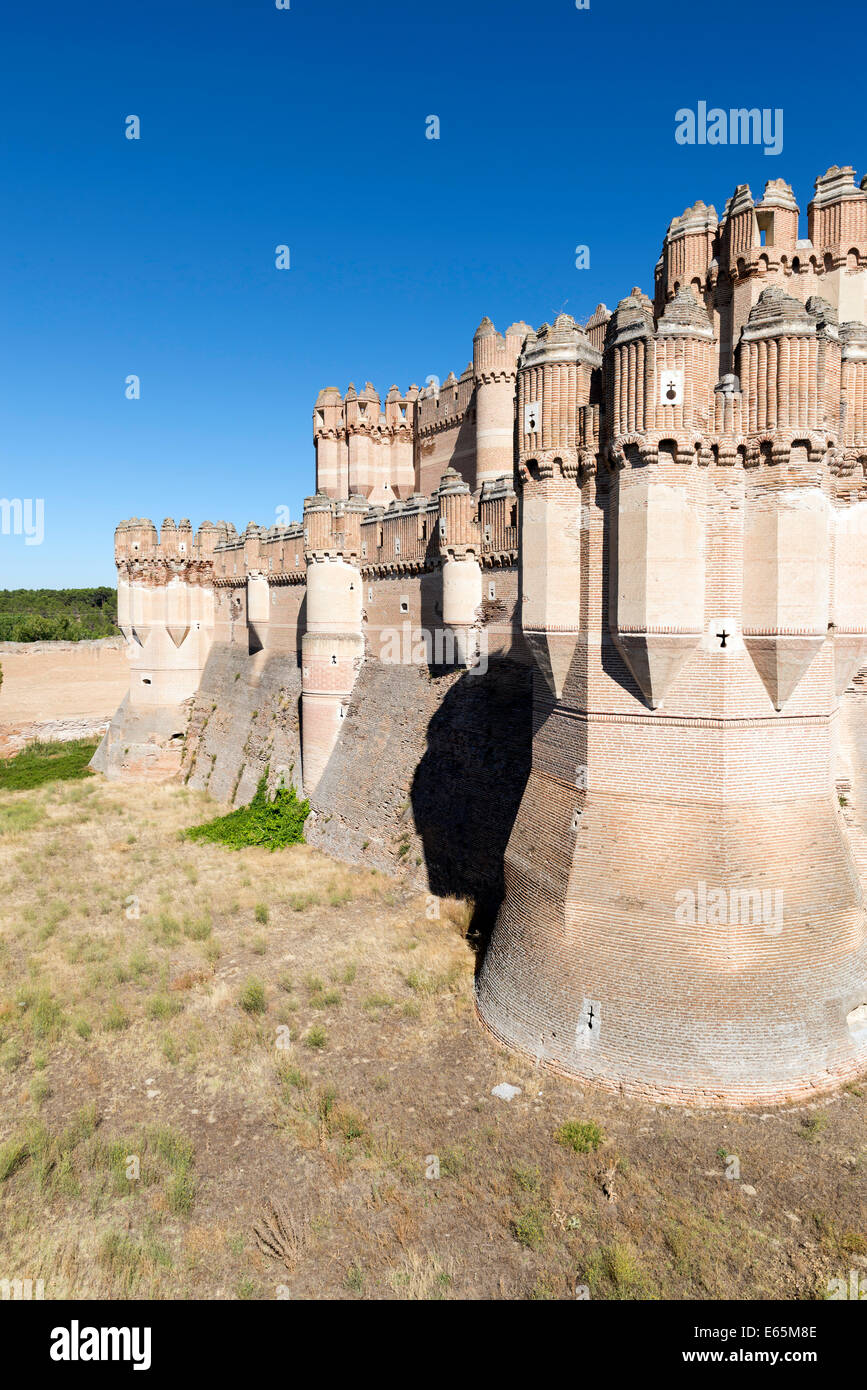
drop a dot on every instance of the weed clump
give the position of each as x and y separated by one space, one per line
582 1136
252 996
271 822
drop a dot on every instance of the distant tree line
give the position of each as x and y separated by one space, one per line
57 615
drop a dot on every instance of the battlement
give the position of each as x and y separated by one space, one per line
665 511
756 237
274 551
444 406
137 541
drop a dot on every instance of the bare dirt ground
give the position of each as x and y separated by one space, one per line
237 1075
59 690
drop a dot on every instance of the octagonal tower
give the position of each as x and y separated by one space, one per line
683 919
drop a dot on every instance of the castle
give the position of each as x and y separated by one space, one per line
578 632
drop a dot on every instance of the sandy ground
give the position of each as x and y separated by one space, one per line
241 1075
59 689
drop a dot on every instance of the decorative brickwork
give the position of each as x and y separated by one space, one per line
661 514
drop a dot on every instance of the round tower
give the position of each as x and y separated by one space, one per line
461 570
495 366
333 645
554 383
329 439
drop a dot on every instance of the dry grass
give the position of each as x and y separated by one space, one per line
240 1074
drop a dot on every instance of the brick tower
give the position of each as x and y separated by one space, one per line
683 919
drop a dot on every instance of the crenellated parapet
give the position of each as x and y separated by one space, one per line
138 540
558 400
165 603
664 510
363 448
789 362
837 219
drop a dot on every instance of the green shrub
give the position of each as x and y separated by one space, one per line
529 1228
46 1018
582 1136
39 763
252 996
812 1126
272 822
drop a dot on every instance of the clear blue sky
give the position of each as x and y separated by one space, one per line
306 127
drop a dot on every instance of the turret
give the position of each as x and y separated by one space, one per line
329 437
628 372
687 252
142 538
597 325
555 456
333 645
165 610
660 399
787 351
837 220
777 221
206 540
837 217
169 539
495 366
460 549
258 588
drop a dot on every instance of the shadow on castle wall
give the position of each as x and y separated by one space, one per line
468 785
